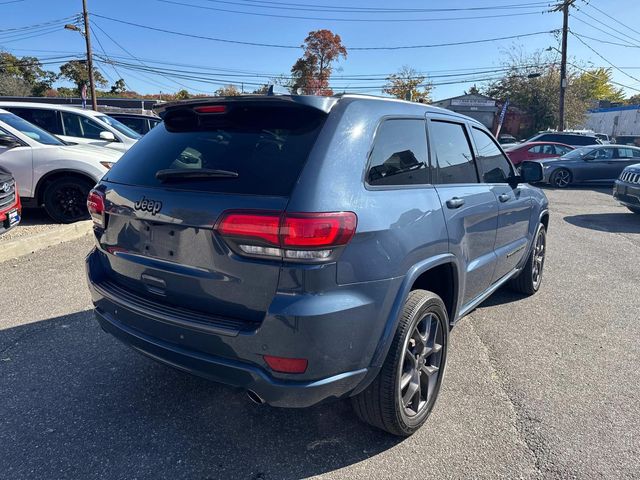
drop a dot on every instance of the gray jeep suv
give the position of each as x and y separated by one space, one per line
308 248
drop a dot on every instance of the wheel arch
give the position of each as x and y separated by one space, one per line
425 275
49 177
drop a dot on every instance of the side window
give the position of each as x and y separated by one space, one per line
628 153
604 154
45 119
135 124
453 153
399 155
494 166
560 150
78 126
153 123
536 149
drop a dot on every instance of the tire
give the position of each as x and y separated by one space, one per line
635 209
561 178
381 403
529 280
65 199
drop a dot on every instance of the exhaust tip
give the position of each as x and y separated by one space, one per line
254 397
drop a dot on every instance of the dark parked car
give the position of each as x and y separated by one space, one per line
138 123
309 248
573 139
627 188
633 140
520 152
505 139
10 208
595 164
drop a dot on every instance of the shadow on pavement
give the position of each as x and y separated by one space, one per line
75 403
35 216
503 296
627 222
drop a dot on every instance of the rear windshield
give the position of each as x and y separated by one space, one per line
265 146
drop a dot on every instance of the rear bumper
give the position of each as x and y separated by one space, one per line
627 194
234 373
337 332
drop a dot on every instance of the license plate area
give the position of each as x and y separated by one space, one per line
160 240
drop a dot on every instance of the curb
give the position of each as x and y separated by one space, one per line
26 245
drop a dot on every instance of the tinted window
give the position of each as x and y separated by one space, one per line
46 119
399 155
79 126
493 164
266 146
453 153
153 123
581 140
135 124
543 149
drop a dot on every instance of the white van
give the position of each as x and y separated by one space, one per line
76 125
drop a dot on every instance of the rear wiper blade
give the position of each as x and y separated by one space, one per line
187 173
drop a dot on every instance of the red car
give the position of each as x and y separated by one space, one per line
10 207
535 150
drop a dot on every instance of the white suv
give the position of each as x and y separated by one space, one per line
76 125
49 172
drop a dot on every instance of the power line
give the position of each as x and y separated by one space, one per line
132 55
612 18
2 41
325 19
43 24
603 58
297 47
11 1
352 9
604 31
600 40
342 8
584 70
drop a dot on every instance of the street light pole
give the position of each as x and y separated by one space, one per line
87 37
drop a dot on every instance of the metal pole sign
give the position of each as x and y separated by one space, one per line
502 115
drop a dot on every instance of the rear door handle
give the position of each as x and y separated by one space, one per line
455 202
504 197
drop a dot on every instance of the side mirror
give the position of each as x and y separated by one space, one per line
7 141
108 136
530 172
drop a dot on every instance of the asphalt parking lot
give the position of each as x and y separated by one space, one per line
540 387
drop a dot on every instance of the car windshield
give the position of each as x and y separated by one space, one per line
577 153
29 129
121 127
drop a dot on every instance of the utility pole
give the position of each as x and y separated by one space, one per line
87 37
563 62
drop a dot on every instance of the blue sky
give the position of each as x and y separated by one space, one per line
234 59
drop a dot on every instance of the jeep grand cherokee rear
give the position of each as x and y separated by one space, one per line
306 248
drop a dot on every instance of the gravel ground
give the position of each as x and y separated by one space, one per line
33 221
539 387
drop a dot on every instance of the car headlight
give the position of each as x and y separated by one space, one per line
107 165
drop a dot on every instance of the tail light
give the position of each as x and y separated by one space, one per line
292 236
95 205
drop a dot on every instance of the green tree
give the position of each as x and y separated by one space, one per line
118 87
182 95
227 91
408 84
311 72
28 71
593 85
76 71
633 99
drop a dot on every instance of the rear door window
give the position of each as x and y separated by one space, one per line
453 153
265 146
399 155
494 166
